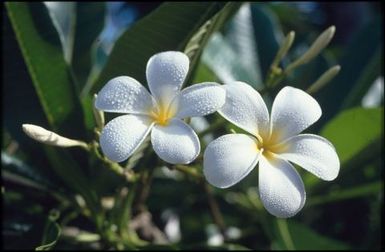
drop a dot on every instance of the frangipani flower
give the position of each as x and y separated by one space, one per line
160 112
274 141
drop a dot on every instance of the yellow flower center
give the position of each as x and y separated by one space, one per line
163 113
268 146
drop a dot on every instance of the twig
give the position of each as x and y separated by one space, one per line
143 190
215 211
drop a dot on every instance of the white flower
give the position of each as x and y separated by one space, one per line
160 112
275 140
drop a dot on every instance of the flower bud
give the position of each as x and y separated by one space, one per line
286 45
48 137
324 79
318 45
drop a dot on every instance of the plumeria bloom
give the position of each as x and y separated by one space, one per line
274 141
160 112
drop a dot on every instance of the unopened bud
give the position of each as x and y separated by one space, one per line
324 79
318 45
48 137
286 45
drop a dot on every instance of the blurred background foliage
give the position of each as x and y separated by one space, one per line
57 55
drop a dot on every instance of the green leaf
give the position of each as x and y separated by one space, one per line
44 59
354 133
293 235
89 23
233 55
41 48
224 61
74 177
52 232
241 37
17 84
31 176
267 34
348 193
169 27
366 79
203 73
195 46
353 130
356 56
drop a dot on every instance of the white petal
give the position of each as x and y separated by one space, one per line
245 108
124 94
175 143
166 72
229 158
314 153
199 100
293 111
123 135
280 187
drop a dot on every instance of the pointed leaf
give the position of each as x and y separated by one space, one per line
169 27
44 58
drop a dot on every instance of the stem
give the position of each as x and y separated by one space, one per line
274 79
213 205
215 211
143 190
115 167
285 234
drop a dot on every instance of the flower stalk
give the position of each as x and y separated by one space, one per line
286 45
99 115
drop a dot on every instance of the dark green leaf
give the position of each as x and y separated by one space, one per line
89 23
195 46
234 55
18 167
348 193
356 57
70 172
295 236
175 24
366 79
267 34
44 58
